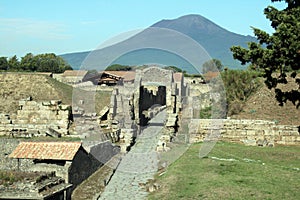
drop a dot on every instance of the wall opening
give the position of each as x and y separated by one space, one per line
149 96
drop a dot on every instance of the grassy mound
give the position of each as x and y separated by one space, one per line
16 86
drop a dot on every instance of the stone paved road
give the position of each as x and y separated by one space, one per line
139 165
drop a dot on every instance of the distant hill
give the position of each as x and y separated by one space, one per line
75 59
213 38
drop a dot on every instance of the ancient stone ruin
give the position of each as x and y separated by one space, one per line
37 119
133 104
249 132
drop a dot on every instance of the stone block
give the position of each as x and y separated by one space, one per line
251 132
46 103
249 142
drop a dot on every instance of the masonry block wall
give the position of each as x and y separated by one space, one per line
36 117
251 132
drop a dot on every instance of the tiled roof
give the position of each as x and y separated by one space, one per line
46 150
126 75
75 73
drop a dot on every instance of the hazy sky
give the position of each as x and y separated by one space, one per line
64 26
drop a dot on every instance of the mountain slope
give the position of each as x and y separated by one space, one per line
213 38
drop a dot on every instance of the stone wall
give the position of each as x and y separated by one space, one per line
249 132
35 118
201 94
83 165
132 105
7 146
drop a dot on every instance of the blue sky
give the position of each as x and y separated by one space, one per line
64 26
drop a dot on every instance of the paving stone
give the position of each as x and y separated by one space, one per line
137 166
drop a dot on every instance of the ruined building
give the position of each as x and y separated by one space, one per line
134 103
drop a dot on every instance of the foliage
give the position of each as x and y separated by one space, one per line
174 69
13 63
213 65
239 86
205 113
118 67
7 178
277 55
3 63
48 62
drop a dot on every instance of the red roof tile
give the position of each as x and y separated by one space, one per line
46 150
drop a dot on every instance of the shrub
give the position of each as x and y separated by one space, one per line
239 86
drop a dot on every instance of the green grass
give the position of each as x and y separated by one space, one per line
255 173
65 91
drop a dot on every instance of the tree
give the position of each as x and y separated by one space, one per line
3 63
213 65
13 63
277 55
48 62
28 63
118 67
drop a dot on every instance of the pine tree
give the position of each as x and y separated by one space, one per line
277 55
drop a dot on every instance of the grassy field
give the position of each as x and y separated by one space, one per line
233 171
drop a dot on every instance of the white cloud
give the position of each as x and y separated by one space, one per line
16 27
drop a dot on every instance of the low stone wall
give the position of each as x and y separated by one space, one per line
250 132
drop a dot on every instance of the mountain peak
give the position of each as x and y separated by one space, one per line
213 38
194 22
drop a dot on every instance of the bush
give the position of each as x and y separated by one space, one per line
239 86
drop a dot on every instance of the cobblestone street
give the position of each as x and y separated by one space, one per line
138 166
